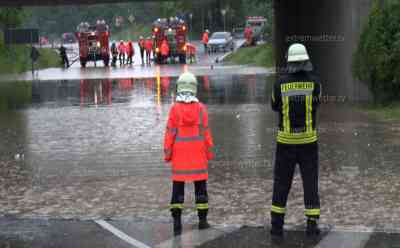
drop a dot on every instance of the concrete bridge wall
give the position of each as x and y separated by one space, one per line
330 30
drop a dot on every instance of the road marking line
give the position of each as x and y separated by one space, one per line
194 238
104 224
344 241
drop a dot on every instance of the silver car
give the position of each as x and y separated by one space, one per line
221 41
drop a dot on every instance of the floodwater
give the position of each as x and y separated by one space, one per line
93 148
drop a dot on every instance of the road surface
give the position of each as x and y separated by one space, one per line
81 163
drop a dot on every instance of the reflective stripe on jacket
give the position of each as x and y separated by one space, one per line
188 142
296 97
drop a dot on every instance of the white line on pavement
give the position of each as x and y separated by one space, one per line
195 237
104 224
345 239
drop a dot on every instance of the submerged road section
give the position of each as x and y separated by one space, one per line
81 163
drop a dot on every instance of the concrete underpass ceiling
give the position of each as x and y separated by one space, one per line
63 2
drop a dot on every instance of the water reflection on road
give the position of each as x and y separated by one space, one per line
94 148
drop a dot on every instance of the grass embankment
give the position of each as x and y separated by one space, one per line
14 95
16 59
133 33
383 112
261 55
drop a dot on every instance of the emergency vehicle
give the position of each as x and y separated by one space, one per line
257 26
93 43
174 30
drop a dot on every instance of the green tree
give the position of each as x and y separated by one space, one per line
377 58
11 17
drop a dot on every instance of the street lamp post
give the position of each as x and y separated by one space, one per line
223 12
191 25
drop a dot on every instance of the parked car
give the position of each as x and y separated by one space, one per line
68 38
221 41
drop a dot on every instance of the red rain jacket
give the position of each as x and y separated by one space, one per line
205 38
164 48
149 45
188 142
130 49
121 48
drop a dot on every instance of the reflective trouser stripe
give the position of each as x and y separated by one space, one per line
313 212
190 172
176 206
278 210
202 206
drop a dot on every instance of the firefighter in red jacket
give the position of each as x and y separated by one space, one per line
188 146
164 51
205 38
149 48
122 52
142 47
248 34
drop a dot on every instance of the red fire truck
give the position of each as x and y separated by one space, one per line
93 43
255 27
174 30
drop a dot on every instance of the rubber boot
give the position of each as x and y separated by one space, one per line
312 227
203 224
277 221
176 215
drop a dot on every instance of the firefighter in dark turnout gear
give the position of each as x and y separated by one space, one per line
64 57
296 97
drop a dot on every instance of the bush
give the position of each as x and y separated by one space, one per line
259 55
376 61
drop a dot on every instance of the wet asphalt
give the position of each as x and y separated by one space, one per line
81 148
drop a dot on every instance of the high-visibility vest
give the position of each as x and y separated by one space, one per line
188 142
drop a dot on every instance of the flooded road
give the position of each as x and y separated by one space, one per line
93 149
